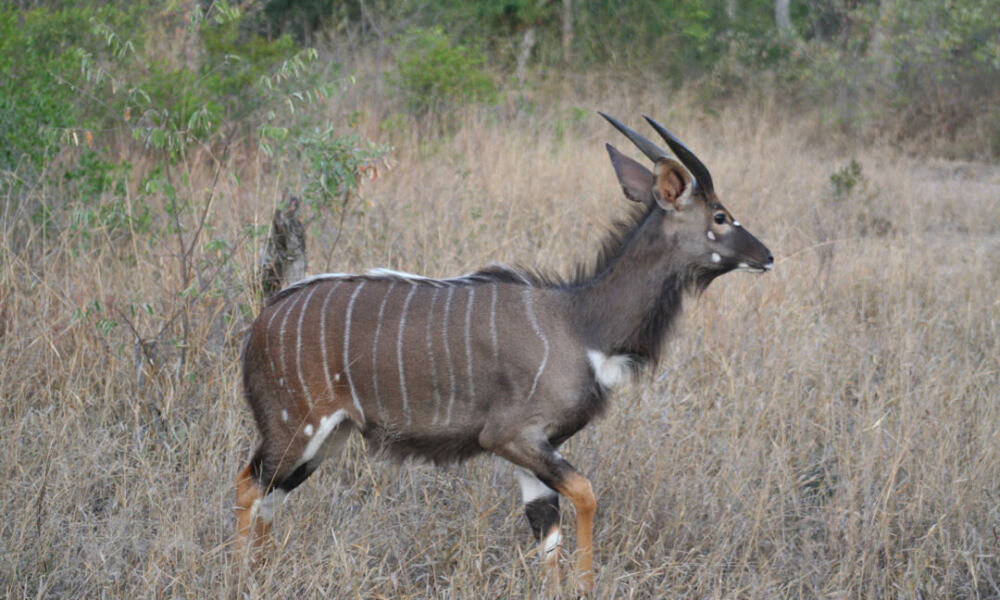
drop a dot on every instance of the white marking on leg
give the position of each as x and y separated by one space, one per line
347 347
494 339
430 355
308 430
530 311
468 342
610 371
399 355
270 504
326 425
284 415
298 346
532 487
281 340
378 330
711 236
447 355
715 257
550 545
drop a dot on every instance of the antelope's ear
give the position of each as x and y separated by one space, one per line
674 184
637 182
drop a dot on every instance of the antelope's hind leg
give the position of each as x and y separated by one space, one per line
261 489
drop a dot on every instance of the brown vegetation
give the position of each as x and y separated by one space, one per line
827 430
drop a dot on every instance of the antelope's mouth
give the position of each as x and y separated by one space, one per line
754 267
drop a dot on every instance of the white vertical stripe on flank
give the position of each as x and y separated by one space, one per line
347 345
323 350
493 324
399 354
430 355
530 311
283 378
267 337
378 330
447 354
298 345
468 342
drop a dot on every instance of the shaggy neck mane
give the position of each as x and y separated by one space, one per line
630 297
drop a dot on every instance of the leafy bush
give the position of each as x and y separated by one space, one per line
432 74
38 73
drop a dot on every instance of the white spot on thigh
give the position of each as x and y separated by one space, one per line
284 415
326 425
551 543
711 236
715 257
270 504
610 371
532 487
308 430
336 378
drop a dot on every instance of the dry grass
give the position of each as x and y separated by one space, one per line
827 430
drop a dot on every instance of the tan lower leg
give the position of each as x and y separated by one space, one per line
249 529
579 491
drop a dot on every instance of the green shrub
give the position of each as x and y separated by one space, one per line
433 75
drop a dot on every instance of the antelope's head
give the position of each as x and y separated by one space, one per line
705 232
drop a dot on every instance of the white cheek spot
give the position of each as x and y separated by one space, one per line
326 425
309 430
715 257
610 371
551 543
284 415
736 223
336 378
711 236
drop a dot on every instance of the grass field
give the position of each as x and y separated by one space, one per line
830 429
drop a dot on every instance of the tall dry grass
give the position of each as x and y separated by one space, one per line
826 430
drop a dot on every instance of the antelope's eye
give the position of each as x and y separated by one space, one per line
720 218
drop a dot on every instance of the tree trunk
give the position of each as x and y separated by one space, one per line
527 44
567 29
783 19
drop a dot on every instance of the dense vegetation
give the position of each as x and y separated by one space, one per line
837 417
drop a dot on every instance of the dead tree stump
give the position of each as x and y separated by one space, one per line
283 258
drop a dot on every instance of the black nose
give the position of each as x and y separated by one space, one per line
770 258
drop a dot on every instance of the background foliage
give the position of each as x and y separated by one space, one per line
837 416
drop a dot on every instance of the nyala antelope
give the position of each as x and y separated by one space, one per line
500 360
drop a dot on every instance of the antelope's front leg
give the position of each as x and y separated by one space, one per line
541 506
577 488
555 472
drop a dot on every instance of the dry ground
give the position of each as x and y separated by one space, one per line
826 430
